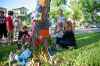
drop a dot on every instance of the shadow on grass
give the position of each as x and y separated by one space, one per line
87 39
4 52
83 40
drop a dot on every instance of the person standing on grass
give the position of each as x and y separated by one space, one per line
17 27
60 26
10 25
3 30
60 20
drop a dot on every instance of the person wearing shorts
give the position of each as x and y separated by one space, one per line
10 26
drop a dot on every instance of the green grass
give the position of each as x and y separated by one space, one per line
87 53
5 50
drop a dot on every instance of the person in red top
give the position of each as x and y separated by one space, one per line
10 26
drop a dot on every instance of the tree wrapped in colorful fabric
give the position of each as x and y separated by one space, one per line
42 23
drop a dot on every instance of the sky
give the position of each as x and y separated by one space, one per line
10 4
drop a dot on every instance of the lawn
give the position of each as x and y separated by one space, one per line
4 52
87 53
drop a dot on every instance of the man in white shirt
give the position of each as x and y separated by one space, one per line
60 21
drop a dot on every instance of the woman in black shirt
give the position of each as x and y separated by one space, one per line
3 29
68 38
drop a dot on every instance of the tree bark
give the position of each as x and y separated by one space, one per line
44 24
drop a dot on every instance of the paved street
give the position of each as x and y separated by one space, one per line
88 30
82 30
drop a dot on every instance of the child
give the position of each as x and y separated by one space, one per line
24 32
10 26
24 36
17 27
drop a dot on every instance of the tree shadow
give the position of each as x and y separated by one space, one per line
87 39
81 41
4 52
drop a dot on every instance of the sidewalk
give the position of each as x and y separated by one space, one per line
3 40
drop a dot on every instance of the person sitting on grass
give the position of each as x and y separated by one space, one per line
24 36
68 38
23 32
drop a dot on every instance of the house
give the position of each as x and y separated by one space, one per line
3 9
22 11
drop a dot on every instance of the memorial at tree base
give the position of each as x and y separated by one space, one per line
41 18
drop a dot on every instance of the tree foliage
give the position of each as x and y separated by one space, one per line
57 3
76 7
88 10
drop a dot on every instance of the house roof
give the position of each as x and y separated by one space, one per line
20 8
3 9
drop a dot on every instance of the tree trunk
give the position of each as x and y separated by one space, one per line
44 25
